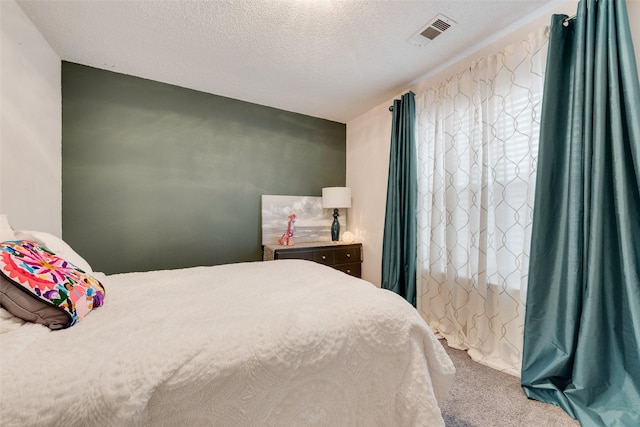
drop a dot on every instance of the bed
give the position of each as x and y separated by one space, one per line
277 343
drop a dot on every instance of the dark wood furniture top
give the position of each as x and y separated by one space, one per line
346 257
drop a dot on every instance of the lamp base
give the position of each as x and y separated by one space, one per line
335 226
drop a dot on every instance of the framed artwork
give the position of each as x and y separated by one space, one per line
312 223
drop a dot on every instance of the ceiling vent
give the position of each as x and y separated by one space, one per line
430 31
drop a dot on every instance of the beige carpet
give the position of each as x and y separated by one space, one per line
484 397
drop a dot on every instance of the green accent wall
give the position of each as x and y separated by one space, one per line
156 176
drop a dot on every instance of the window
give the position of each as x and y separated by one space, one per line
477 148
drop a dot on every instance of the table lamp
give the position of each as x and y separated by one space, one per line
336 198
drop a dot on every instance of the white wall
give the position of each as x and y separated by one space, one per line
30 125
368 138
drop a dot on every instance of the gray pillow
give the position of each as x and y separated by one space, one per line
23 305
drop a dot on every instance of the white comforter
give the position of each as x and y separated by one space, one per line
280 343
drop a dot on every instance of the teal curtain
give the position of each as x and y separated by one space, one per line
582 323
399 246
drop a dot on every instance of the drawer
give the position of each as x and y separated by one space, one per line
351 269
323 256
292 254
347 255
346 258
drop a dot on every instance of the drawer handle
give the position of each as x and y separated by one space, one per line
348 271
324 257
348 255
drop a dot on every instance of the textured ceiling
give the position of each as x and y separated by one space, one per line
324 58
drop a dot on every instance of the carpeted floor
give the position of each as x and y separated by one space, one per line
484 397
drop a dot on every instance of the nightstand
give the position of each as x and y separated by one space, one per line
346 257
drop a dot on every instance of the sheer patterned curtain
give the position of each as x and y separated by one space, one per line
477 136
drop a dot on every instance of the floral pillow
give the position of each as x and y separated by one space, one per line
55 245
38 286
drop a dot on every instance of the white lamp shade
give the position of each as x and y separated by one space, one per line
336 197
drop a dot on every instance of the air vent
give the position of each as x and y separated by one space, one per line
433 29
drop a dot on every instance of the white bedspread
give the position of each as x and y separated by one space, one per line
280 343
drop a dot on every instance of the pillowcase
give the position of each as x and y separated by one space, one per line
6 232
40 287
55 245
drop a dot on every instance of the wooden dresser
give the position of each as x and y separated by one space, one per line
346 257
